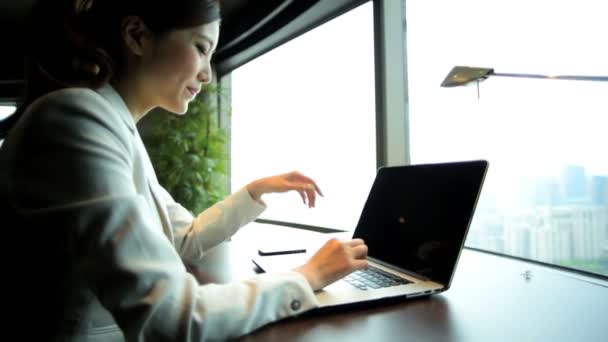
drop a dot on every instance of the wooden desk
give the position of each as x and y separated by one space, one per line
490 300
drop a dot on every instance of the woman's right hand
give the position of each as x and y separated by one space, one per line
333 261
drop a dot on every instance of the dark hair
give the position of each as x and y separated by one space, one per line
78 42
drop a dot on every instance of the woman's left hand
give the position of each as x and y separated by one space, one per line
305 186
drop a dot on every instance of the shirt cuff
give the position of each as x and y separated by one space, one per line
302 298
299 297
244 198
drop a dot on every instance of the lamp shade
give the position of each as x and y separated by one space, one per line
462 75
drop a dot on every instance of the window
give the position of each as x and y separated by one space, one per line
6 111
309 105
546 192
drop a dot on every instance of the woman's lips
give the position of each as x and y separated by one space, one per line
193 91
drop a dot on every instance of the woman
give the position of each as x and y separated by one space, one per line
82 198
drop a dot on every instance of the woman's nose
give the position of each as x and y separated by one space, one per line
204 77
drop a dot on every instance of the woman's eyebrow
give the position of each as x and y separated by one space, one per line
206 37
209 40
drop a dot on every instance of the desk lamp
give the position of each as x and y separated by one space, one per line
463 75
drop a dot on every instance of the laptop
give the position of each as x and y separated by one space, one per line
414 222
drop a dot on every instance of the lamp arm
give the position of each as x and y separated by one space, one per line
556 77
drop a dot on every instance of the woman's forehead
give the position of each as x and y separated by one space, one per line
208 31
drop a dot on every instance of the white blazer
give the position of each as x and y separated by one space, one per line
110 240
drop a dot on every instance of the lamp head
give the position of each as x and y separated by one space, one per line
462 75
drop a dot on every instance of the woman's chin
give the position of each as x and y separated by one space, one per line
179 110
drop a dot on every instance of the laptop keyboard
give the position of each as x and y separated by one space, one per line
374 278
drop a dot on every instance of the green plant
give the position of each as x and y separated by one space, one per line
189 152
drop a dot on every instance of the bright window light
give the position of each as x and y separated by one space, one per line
6 111
309 105
546 193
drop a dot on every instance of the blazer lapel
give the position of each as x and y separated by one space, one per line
153 185
143 172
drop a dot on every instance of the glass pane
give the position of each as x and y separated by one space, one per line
6 111
309 105
546 193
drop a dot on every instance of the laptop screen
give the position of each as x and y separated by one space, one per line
417 217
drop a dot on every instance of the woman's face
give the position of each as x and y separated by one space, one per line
176 65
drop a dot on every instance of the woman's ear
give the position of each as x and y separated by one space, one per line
134 34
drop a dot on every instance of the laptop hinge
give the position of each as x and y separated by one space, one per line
391 266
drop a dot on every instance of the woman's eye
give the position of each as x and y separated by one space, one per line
201 49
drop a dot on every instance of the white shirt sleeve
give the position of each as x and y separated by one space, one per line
245 306
194 235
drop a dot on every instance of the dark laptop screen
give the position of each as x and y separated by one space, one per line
416 217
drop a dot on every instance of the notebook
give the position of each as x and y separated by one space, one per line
414 222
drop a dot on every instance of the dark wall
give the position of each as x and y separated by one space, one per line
249 29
